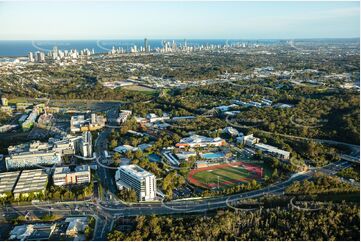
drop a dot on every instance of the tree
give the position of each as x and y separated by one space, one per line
116 235
116 158
275 173
138 154
128 195
113 144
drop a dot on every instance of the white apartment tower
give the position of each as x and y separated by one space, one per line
86 144
135 177
31 57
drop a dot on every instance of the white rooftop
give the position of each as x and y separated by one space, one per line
66 169
31 181
272 149
136 171
7 181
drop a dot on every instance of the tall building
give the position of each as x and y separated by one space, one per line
86 144
174 46
146 45
31 57
135 177
39 56
65 176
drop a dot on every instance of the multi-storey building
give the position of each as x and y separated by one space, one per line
123 116
200 141
32 159
30 121
38 153
7 182
135 177
31 181
65 176
86 144
79 123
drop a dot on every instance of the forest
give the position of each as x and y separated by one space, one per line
335 222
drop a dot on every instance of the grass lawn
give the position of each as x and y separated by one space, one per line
226 174
139 89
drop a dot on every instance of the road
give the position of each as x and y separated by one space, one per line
107 211
105 224
206 204
353 147
101 144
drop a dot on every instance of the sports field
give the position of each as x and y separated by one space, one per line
225 174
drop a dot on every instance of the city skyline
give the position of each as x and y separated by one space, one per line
178 20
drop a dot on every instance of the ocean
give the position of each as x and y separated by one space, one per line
18 48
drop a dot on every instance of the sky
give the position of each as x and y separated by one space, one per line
26 20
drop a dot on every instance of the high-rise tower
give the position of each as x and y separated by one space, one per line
146 45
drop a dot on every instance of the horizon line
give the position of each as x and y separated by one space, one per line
96 39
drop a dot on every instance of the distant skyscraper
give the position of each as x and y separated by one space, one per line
40 56
31 57
146 45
